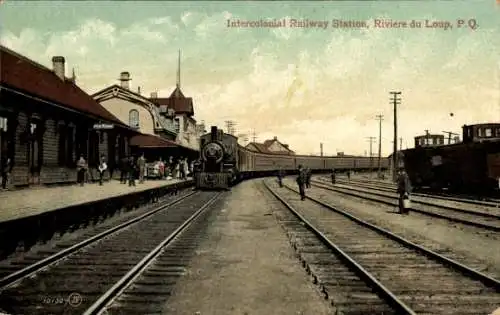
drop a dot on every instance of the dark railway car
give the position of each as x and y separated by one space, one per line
219 160
470 166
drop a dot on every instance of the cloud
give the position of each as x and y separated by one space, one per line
304 86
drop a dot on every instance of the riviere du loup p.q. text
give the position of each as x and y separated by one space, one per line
460 23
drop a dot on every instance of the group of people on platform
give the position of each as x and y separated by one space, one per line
403 185
135 168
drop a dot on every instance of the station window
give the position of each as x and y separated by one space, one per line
479 132
133 118
498 132
487 132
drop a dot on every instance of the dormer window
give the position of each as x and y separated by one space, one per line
133 118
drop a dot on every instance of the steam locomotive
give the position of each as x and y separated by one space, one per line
219 160
223 162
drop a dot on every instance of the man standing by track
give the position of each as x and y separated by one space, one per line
301 181
404 189
281 174
308 177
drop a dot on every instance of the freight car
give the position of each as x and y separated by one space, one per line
224 162
472 166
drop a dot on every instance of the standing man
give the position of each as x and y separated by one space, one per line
281 174
308 177
102 168
131 166
81 168
404 189
141 163
301 181
333 176
123 170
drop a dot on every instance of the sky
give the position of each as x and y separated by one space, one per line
305 85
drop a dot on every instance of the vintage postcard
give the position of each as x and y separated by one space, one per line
250 157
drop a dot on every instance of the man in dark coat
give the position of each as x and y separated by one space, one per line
281 174
301 181
333 176
308 177
131 171
404 189
123 170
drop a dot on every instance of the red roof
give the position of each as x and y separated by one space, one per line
151 141
177 101
24 75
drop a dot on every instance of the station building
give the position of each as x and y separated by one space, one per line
166 126
47 122
272 146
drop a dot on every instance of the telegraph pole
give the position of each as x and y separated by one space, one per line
321 149
230 127
449 133
371 139
380 118
254 136
400 144
396 100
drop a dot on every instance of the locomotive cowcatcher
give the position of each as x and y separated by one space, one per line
218 160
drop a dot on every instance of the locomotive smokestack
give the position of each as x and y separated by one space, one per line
213 133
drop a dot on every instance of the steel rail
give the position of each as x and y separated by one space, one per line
490 202
376 285
121 285
30 270
478 213
389 203
474 274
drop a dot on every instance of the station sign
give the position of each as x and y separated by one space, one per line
103 126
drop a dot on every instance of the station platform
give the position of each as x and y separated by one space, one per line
33 201
245 265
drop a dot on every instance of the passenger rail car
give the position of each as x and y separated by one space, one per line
224 162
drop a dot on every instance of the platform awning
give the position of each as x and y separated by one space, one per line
150 141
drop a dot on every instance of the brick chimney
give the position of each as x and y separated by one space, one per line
58 66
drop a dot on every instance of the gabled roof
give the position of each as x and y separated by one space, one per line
117 87
116 91
260 147
24 75
177 101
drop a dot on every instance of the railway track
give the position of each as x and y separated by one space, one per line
476 200
490 209
484 220
386 274
93 273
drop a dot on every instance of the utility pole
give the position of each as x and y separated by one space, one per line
230 127
396 100
371 139
321 149
400 144
254 136
380 118
449 133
